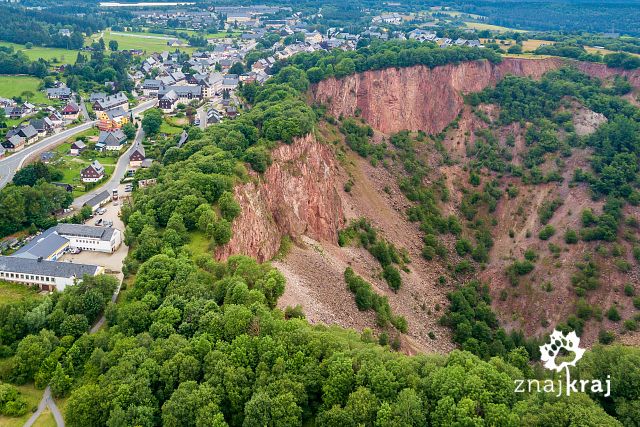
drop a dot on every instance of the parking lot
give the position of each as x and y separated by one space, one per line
111 262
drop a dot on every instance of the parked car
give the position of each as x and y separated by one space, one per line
74 251
101 211
99 222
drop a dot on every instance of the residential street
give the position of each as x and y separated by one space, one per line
10 164
118 174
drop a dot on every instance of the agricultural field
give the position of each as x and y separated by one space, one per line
11 86
147 42
531 45
53 55
482 26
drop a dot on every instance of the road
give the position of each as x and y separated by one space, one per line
202 115
46 400
10 164
118 174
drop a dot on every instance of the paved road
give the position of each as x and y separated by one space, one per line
9 165
118 174
202 115
46 400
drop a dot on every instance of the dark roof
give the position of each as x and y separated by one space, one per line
79 230
98 198
46 268
115 137
42 246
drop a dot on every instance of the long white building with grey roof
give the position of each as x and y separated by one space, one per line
54 242
47 275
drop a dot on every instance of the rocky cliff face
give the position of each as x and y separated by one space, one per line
419 98
296 196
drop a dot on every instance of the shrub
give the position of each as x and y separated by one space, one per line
630 325
546 232
392 277
570 237
629 290
613 314
606 337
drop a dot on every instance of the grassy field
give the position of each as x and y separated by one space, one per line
11 86
137 41
198 243
168 129
33 396
481 26
10 292
531 45
63 56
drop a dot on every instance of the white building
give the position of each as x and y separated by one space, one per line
88 238
47 275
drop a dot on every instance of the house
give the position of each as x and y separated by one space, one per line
43 126
167 102
77 147
111 140
151 87
184 136
70 111
112 119
92 173
58 93
64 32
112 102
28 133
183 93
47 275
96 96
137 156
98 200
13 143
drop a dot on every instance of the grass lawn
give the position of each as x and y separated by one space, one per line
11 86
33 396
71 167
10 292
169 130
63 56
45 419
137 41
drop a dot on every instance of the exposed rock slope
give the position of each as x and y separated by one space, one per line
420 98
295 196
